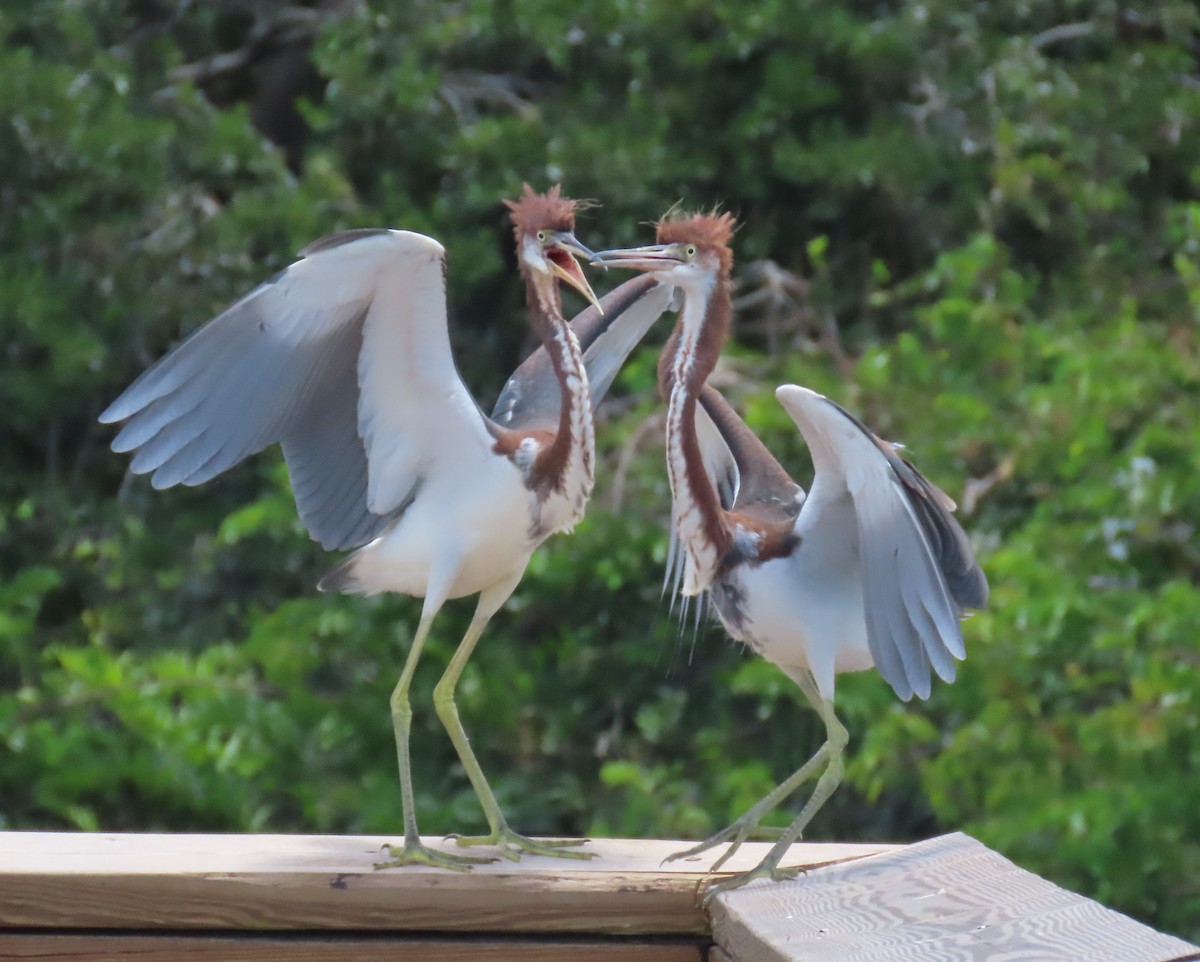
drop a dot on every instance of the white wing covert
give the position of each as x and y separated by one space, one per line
414 412
312 359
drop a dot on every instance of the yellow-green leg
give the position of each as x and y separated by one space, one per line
834 747
747 825
511 844
414 851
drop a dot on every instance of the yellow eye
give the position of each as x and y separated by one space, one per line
690 250
541 236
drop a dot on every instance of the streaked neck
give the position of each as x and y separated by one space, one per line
690 357
567 464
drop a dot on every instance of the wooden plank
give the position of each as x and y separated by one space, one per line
950 899
281 948
327 882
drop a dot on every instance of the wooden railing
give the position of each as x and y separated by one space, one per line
256 898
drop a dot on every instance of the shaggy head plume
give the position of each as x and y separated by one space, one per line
709 232
533 212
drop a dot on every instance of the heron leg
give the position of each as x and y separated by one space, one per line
835 744
745 826
413 851
511 844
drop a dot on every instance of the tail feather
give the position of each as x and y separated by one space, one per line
343 577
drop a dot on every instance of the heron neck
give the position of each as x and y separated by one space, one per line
688 359
567 462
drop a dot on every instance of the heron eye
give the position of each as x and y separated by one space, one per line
541 236
690 250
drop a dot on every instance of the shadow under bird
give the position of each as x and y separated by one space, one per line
869 569
344 360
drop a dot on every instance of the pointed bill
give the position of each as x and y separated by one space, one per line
656 257
561 255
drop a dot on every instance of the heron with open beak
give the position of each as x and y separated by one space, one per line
344 360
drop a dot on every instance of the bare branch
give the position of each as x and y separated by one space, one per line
784 300
653 425
465 90
977 488
291 25
1061 33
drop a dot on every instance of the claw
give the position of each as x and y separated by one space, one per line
415 852
736 833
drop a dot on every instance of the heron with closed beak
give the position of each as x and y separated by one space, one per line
868 569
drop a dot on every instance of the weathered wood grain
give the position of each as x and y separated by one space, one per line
950 899
62 881
278 948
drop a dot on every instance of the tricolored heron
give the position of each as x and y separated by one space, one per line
869 569
344 359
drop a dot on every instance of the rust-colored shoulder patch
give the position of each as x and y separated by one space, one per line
775 537
533 212
542 465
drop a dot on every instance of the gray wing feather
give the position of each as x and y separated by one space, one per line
327 463
757 478
949 543
246 380
934 512
532 397
918 570
604 355
912 622
207 405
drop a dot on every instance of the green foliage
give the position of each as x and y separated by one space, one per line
995 202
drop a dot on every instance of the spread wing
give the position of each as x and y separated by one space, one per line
532 397
919 573
343 358
761 484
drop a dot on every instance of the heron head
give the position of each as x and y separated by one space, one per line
544 228
692 252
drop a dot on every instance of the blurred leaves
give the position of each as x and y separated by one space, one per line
983 221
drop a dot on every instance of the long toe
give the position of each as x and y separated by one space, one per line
694 852
513 845
563 842
417 853
742 878
736 833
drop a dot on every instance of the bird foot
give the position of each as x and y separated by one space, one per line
735 833
773 872
513 845
415 852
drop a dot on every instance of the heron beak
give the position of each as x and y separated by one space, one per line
657 257
561 254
